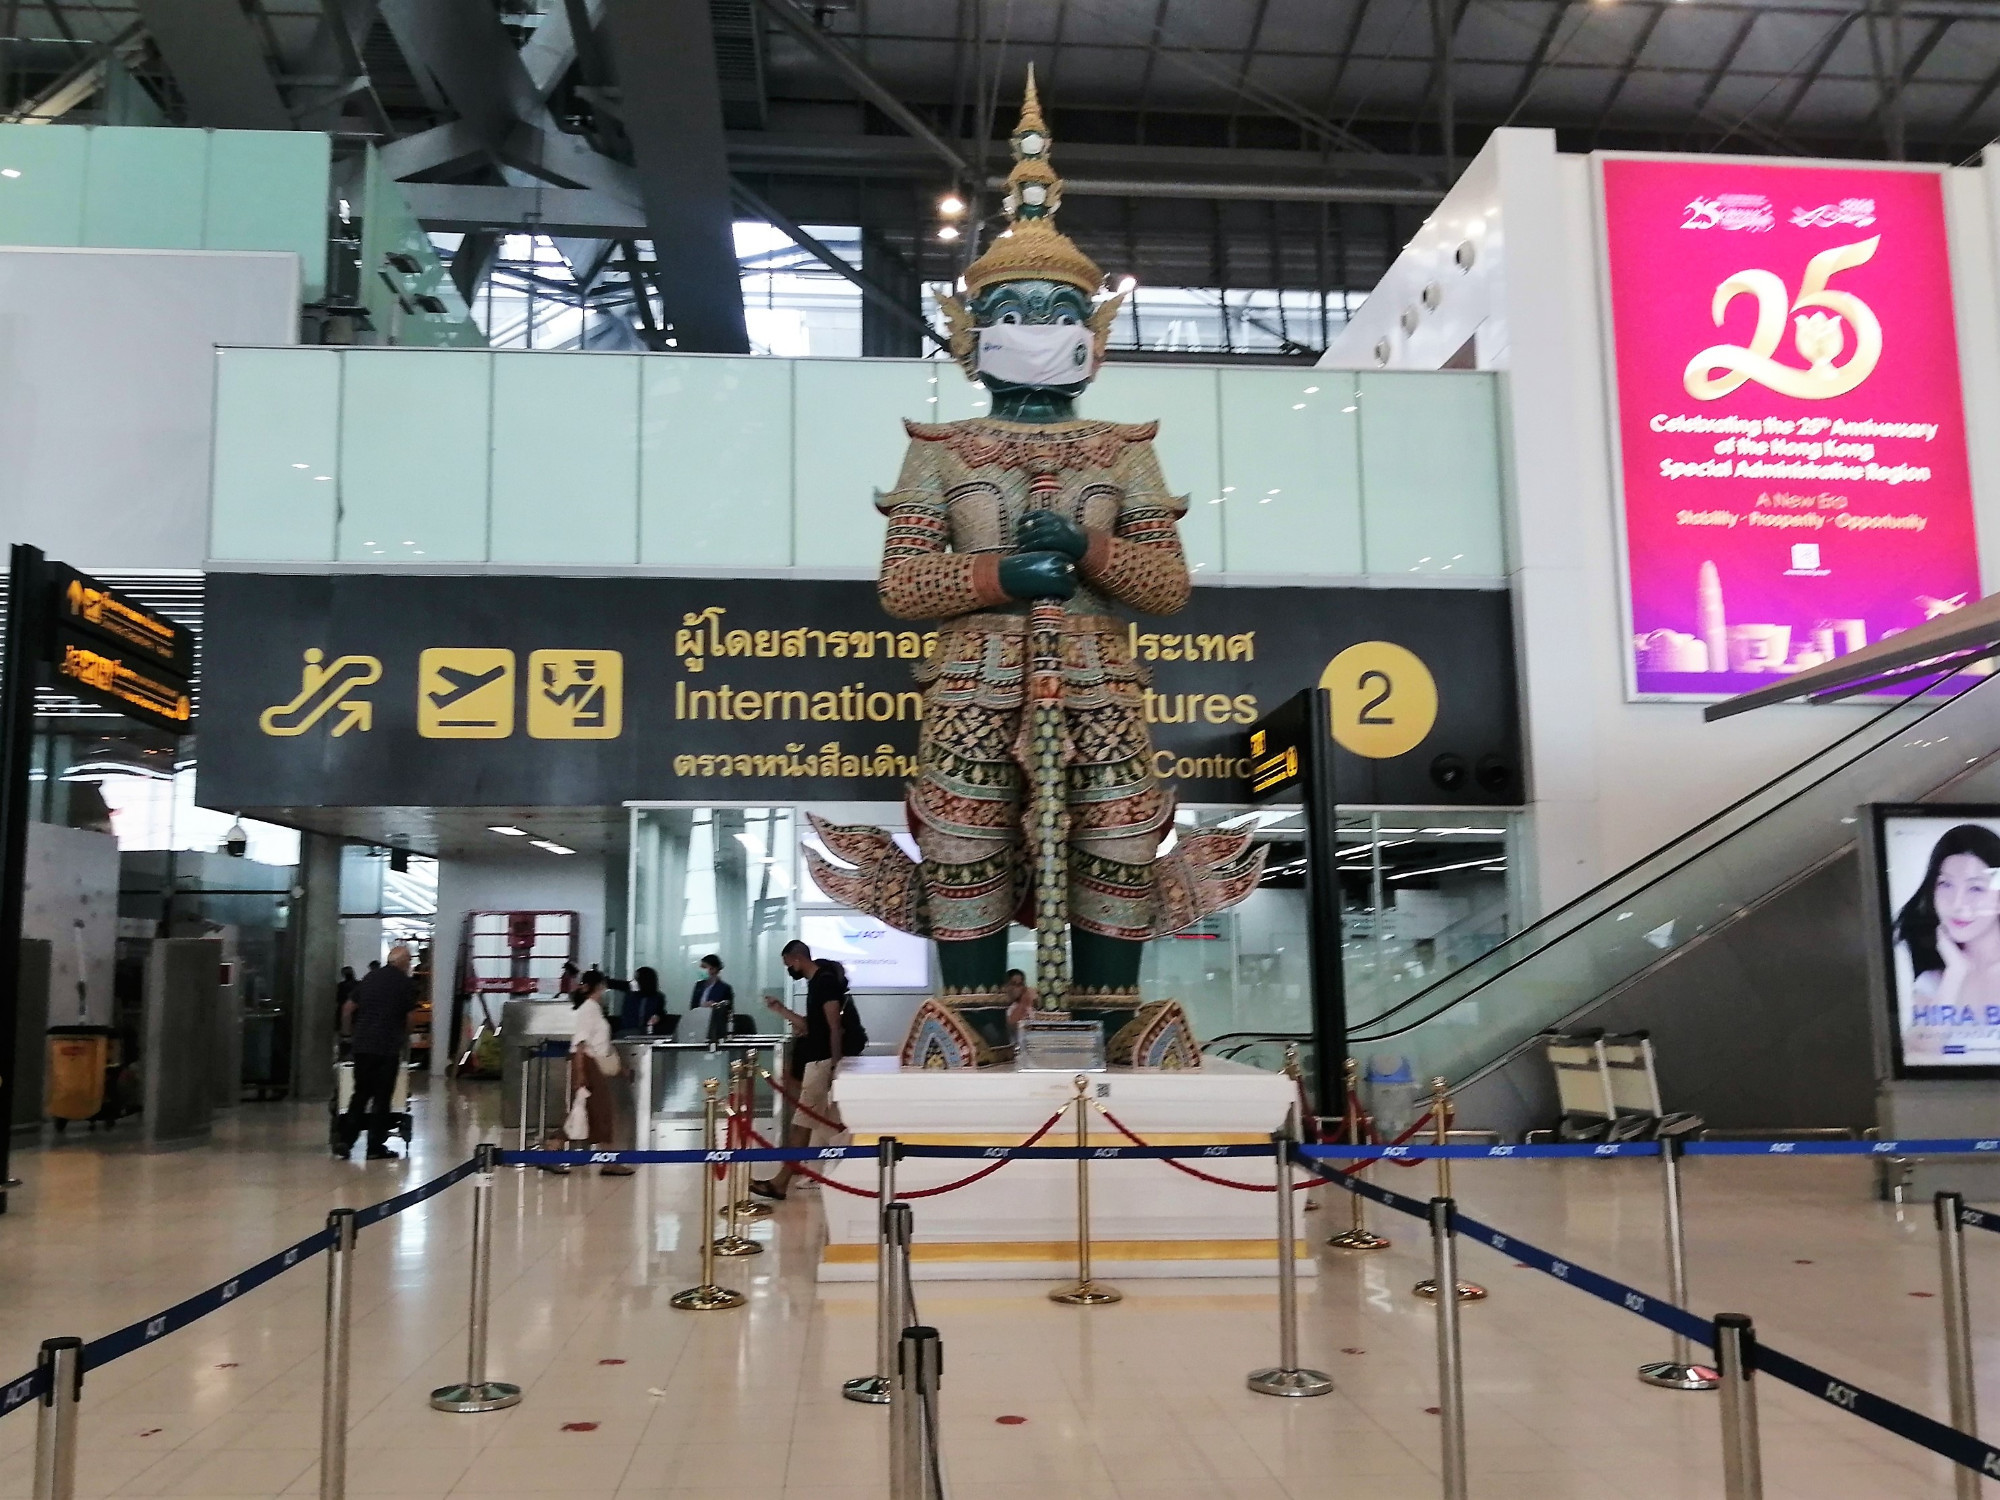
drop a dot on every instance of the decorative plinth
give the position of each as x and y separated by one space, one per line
1149 1221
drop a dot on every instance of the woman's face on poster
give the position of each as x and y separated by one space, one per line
1967 894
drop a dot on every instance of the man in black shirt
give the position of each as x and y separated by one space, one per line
815 1054
376 1018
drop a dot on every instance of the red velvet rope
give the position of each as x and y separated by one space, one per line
800 1105
1181 1166
986 1171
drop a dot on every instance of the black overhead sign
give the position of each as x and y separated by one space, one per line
112 651
141 635
383 690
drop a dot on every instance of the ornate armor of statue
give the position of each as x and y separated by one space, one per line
1023 534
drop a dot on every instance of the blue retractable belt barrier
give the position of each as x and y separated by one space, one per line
1949 1147
1974 1218
389 1207
1925 1432
30 1387
101 1351
136 1335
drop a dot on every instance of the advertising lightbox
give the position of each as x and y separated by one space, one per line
1939 874
1790 430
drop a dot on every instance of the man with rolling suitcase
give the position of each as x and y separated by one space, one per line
376 1019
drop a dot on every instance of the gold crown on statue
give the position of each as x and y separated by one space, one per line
1032 248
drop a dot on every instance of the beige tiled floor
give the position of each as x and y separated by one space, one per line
1142 1401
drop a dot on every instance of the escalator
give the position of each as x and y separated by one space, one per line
1741 945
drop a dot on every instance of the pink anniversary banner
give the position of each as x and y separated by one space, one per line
1791 429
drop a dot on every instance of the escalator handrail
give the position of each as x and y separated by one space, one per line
1665 849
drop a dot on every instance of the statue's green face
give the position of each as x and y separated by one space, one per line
1030 302
1036 304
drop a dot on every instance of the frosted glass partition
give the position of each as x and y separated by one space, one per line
576 501
1291 480
715 463
273 495
1426 466
690 461
415 440
145 188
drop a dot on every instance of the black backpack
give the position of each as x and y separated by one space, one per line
853 1035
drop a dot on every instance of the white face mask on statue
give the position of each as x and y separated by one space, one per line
1035 353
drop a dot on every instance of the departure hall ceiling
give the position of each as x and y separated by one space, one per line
1266 143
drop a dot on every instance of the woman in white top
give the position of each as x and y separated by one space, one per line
594 1065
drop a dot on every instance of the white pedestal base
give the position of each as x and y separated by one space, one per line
1147 1219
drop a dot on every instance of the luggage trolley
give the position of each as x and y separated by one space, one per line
1608 1089
343 1094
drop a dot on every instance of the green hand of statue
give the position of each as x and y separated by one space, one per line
1038 575
1050 531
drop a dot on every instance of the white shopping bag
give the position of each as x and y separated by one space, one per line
577 1126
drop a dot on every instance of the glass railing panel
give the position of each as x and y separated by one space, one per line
1555 969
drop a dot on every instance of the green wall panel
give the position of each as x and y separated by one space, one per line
267 190
41 184
145 189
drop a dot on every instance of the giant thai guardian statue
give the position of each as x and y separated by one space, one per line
1024 534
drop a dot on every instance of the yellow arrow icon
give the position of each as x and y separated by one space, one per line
360 714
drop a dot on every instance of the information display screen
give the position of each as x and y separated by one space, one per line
1790 428
1939 868
875 955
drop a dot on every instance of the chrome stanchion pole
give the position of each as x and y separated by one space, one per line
896 1231
521 1087
735 1184
56 1419
1451 1371
919 1370
1742 1456
1677 1373
1288 1379
1468 1291
1084 1292
874 1389
333 1380
1957 1333
708 1297
1356 1236
478 1393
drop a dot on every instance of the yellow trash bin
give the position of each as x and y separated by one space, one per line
74 1084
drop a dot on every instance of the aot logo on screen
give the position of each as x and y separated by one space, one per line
1791 430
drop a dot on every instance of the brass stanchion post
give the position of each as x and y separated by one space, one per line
708 1297
1084 1292
1308 1124
1468 1291
747 1207
1357 1235
735 1242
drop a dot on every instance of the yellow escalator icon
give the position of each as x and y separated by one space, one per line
321 689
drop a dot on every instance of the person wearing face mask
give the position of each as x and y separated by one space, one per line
594 1066
989 517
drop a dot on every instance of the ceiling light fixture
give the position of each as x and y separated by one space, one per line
508 829
951 205
948 232
552 847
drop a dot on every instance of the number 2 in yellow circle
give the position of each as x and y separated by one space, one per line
1384 699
